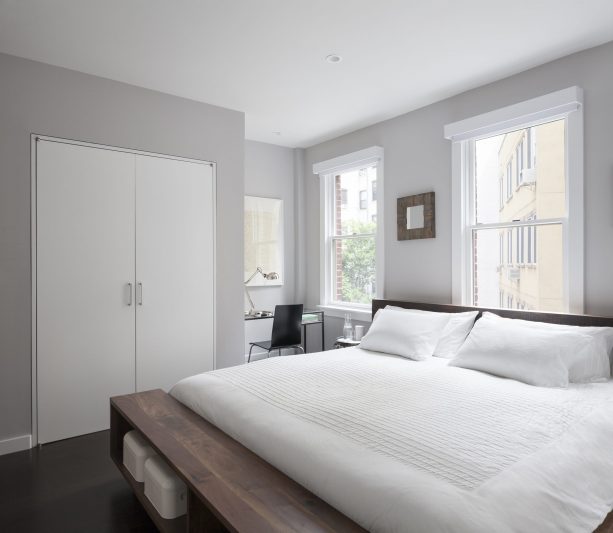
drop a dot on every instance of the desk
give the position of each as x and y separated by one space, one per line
305 322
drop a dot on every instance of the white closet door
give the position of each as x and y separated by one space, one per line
85 260
174 271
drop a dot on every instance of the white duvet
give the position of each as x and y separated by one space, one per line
400 445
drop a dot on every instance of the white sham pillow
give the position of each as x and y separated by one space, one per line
532 355
414 339
454 333
588 364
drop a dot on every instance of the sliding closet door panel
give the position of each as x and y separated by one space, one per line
85 261
174 271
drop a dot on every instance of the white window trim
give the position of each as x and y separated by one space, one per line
566 103
361 158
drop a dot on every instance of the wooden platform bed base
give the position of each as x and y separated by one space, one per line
231 488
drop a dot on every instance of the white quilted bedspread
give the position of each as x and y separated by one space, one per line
400 445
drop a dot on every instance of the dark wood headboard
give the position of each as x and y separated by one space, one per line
553 318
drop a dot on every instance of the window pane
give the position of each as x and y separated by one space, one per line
354 209
519 268
521 173
353 274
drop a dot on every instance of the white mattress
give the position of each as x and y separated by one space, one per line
400 445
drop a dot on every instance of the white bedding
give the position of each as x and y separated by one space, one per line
401 445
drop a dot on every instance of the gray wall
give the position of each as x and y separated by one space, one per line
418 159
269 172
277 172
48 100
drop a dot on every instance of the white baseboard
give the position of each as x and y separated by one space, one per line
15 444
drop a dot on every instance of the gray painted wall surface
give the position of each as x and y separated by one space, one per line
276 172
269 172
38 98
418 159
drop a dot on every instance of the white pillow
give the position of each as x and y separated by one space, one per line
510 349
592 363
454 333
414 339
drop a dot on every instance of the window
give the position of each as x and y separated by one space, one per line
531 148
363 200
509 180
509 247
519 243
519 160
352 248
531 244
344 198
518 180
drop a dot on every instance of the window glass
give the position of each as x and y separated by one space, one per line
528 187
353 237
350 215
531 271
354 269
520 194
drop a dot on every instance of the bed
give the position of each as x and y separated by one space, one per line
370 441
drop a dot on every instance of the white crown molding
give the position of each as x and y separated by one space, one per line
349 161
548 106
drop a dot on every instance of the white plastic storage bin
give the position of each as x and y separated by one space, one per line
165 490
135 452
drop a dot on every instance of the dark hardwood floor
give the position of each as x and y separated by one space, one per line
68 486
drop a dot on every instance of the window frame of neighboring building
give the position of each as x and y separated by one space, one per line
363 199
509 180
509 247
519 162
327 170
344 196
531 249
564 104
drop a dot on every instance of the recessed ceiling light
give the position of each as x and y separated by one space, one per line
333 58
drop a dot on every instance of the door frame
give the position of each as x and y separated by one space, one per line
34 138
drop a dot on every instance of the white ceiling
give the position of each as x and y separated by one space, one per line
266 57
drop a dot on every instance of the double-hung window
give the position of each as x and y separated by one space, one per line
351 231
535 150
509 180
519 161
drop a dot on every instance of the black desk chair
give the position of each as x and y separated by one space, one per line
286 330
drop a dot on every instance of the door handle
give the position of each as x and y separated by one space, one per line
129 294
140 293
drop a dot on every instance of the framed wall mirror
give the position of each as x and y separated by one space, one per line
263 241
415 217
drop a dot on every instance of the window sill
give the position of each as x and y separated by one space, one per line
362 314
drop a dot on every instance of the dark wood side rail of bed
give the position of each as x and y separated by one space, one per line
230 488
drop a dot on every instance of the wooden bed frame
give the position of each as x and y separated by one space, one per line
229 487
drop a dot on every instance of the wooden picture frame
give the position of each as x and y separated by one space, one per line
428 230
